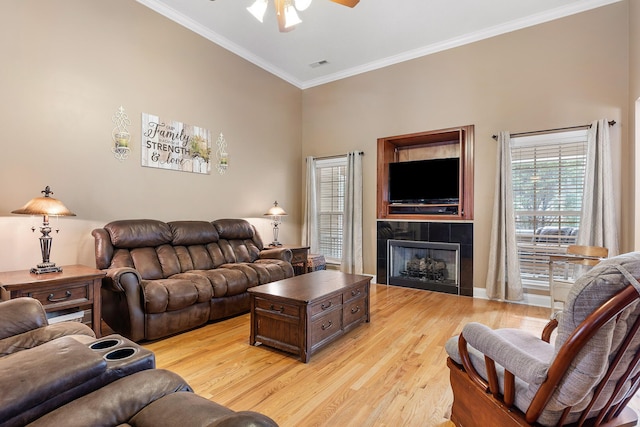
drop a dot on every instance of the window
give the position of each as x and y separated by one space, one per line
330 178
548 179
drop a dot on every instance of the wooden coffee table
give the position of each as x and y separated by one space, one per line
304 313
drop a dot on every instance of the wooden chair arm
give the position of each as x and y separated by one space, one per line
492 386
548 330
468 366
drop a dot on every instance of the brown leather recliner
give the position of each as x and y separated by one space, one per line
164 278
61 375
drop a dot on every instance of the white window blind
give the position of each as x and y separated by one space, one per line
548 179
330 176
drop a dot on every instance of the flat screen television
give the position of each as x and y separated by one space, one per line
434 181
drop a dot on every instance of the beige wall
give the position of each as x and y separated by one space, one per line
566 72
67 65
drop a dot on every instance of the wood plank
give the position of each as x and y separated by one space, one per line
391 371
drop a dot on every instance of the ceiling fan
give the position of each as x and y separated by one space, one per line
286 11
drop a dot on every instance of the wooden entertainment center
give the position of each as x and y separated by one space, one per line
438 144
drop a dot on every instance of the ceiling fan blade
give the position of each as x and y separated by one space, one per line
350 3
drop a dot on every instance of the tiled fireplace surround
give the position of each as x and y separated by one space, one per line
441 232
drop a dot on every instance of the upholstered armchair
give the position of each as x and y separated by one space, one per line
508 377
24 324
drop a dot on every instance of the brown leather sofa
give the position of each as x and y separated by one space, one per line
164 278
61 375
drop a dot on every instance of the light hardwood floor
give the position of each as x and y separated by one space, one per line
390 372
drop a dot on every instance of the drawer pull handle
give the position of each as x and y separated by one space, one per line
355 310
327 326
280 310
325 306
355 292
66 296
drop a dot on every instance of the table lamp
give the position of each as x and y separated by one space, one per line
45 206
276 213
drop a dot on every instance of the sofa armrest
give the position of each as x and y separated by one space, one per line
189 408
20 315
122 302
47 373
117 276
283 254
115 403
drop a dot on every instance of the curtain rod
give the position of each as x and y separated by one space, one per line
535 132
336 156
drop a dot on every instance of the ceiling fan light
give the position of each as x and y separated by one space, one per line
302 4
258 9
291 17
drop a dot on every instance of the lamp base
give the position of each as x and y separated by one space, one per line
276 243
49 267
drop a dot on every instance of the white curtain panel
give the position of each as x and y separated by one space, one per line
352 220
310 233
503 276
598 222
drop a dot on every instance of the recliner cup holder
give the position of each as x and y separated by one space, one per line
104 344
121 353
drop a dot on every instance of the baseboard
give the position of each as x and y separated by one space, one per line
528 299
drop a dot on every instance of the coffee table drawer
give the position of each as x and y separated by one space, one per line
354 311
355 292
325 305
325 326
276 307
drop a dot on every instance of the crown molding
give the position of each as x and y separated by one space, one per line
507 27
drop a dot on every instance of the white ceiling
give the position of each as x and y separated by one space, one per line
374 34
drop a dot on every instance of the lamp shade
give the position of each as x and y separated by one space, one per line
291 17
275 210
45 205
302 4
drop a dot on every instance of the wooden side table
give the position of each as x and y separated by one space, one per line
299 255
76 286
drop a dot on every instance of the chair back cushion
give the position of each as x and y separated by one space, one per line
590 291
239 241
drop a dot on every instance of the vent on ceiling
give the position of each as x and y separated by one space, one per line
319 63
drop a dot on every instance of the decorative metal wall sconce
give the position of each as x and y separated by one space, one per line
221 155
121 135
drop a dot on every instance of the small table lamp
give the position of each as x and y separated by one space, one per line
276 213
45 206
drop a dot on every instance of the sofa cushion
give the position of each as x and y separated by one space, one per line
231 229
270 270
175 293
225 281
135 233
187 233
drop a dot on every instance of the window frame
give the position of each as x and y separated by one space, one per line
569 167
331 249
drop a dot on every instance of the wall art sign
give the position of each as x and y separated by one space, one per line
167 144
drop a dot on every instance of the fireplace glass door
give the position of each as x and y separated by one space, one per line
424 265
